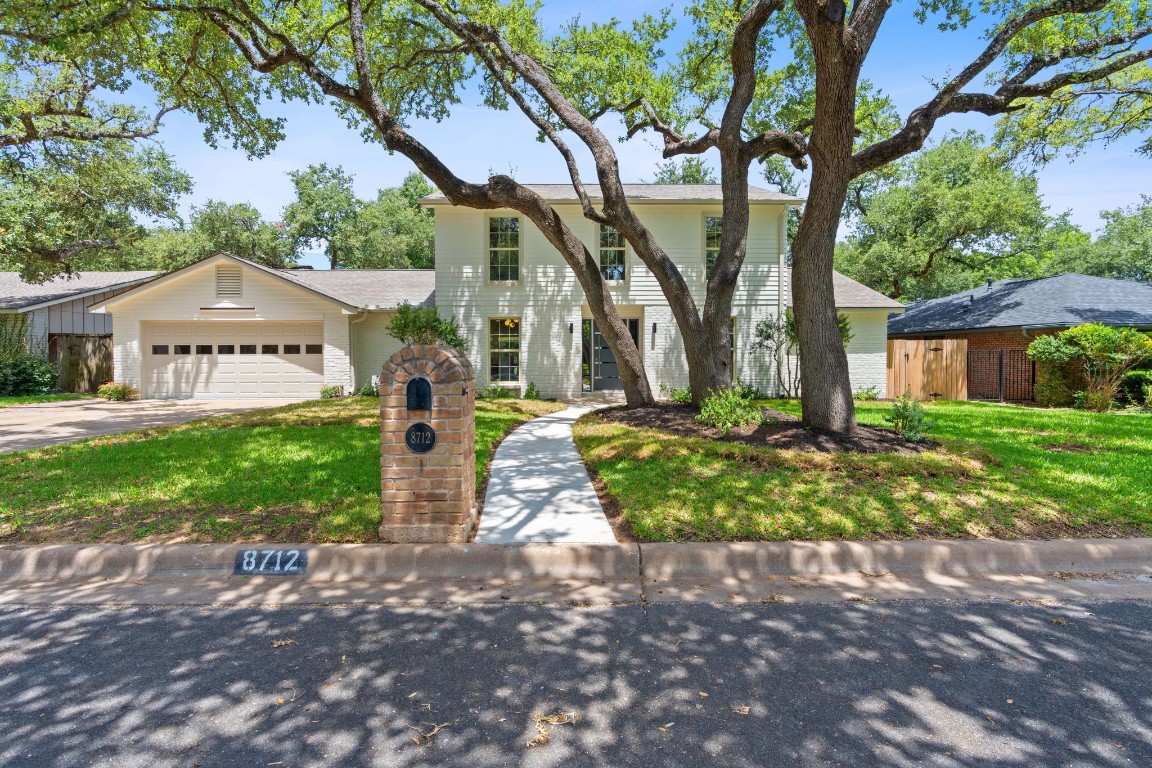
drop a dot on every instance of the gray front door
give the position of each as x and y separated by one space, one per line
605 372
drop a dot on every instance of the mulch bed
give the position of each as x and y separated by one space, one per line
782 431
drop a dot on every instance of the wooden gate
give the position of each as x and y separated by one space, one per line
85 362
930 370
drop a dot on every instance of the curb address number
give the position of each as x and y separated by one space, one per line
271 562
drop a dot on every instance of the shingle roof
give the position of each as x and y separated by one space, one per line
1061 301
370 288
853 295
17 294
562 193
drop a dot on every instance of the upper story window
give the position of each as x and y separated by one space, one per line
713 227
504 249
612 257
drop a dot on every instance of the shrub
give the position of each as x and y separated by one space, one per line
1057 384
117 391
497 392
747 391
777 337
369 390
868 393
25 374
1134 385
728 408
683 396
331 392
423 325
908 418
531 393
1103 354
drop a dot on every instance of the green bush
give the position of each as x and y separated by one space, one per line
331 392
117 391
497 392
747 391
369 390
728 408
1057 384
683 396
868 393
25 374
908 418
1134 385
532 393
1102 354
423 325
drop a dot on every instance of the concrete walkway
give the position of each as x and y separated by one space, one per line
23 427
539 489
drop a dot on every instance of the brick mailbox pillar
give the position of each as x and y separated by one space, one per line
427 446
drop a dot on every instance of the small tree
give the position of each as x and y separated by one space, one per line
779 339
1104 354
423 325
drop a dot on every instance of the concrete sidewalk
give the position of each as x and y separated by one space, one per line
538 489
23 427
202 574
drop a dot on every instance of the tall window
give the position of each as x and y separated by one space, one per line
503 249
504 349
612 266
712 231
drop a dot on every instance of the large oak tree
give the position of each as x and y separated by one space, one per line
757 79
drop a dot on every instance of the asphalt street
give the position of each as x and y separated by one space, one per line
855 684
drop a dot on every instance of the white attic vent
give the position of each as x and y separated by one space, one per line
228 284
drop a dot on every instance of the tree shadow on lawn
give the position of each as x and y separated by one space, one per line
900 684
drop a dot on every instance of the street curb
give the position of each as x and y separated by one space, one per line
951 558
326 562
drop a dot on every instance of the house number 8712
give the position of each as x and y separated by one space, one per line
270 562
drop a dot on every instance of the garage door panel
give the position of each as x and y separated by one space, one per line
205 372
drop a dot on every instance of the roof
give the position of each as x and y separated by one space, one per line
639 193
370 288
15 294
853 295
1061 301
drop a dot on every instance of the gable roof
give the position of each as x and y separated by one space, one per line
15 294
853 295
1061 301
641 193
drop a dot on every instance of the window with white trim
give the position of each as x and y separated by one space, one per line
504 349
713 231
612 255
503 249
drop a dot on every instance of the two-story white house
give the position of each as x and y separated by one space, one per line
525 313
229 328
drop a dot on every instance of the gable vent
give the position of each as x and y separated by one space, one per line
228 282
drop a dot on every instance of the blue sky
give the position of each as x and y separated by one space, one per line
475 141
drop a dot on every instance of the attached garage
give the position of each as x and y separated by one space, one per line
233 360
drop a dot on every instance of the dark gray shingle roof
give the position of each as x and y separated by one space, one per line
370 288
1060 301
17 294
853 295
643 192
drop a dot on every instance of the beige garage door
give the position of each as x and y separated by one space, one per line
233 360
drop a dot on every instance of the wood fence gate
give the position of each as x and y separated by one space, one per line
85 362
929 369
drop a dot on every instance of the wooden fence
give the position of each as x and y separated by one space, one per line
85 362
930 370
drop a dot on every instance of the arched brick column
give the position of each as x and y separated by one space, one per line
428 497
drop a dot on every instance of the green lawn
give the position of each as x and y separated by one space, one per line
29 399
1001 471
308 472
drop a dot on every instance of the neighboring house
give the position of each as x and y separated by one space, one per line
226 327
53 319
999 320
525 314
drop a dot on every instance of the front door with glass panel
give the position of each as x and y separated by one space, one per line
601 373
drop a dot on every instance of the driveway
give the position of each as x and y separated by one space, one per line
34 426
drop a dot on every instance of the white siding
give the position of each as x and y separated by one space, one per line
372 346
868 349
74 317
548 299
183 298
38 331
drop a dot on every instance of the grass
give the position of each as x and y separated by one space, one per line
1000 471
308 472
30 399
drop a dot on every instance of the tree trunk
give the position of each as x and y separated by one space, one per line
826 392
